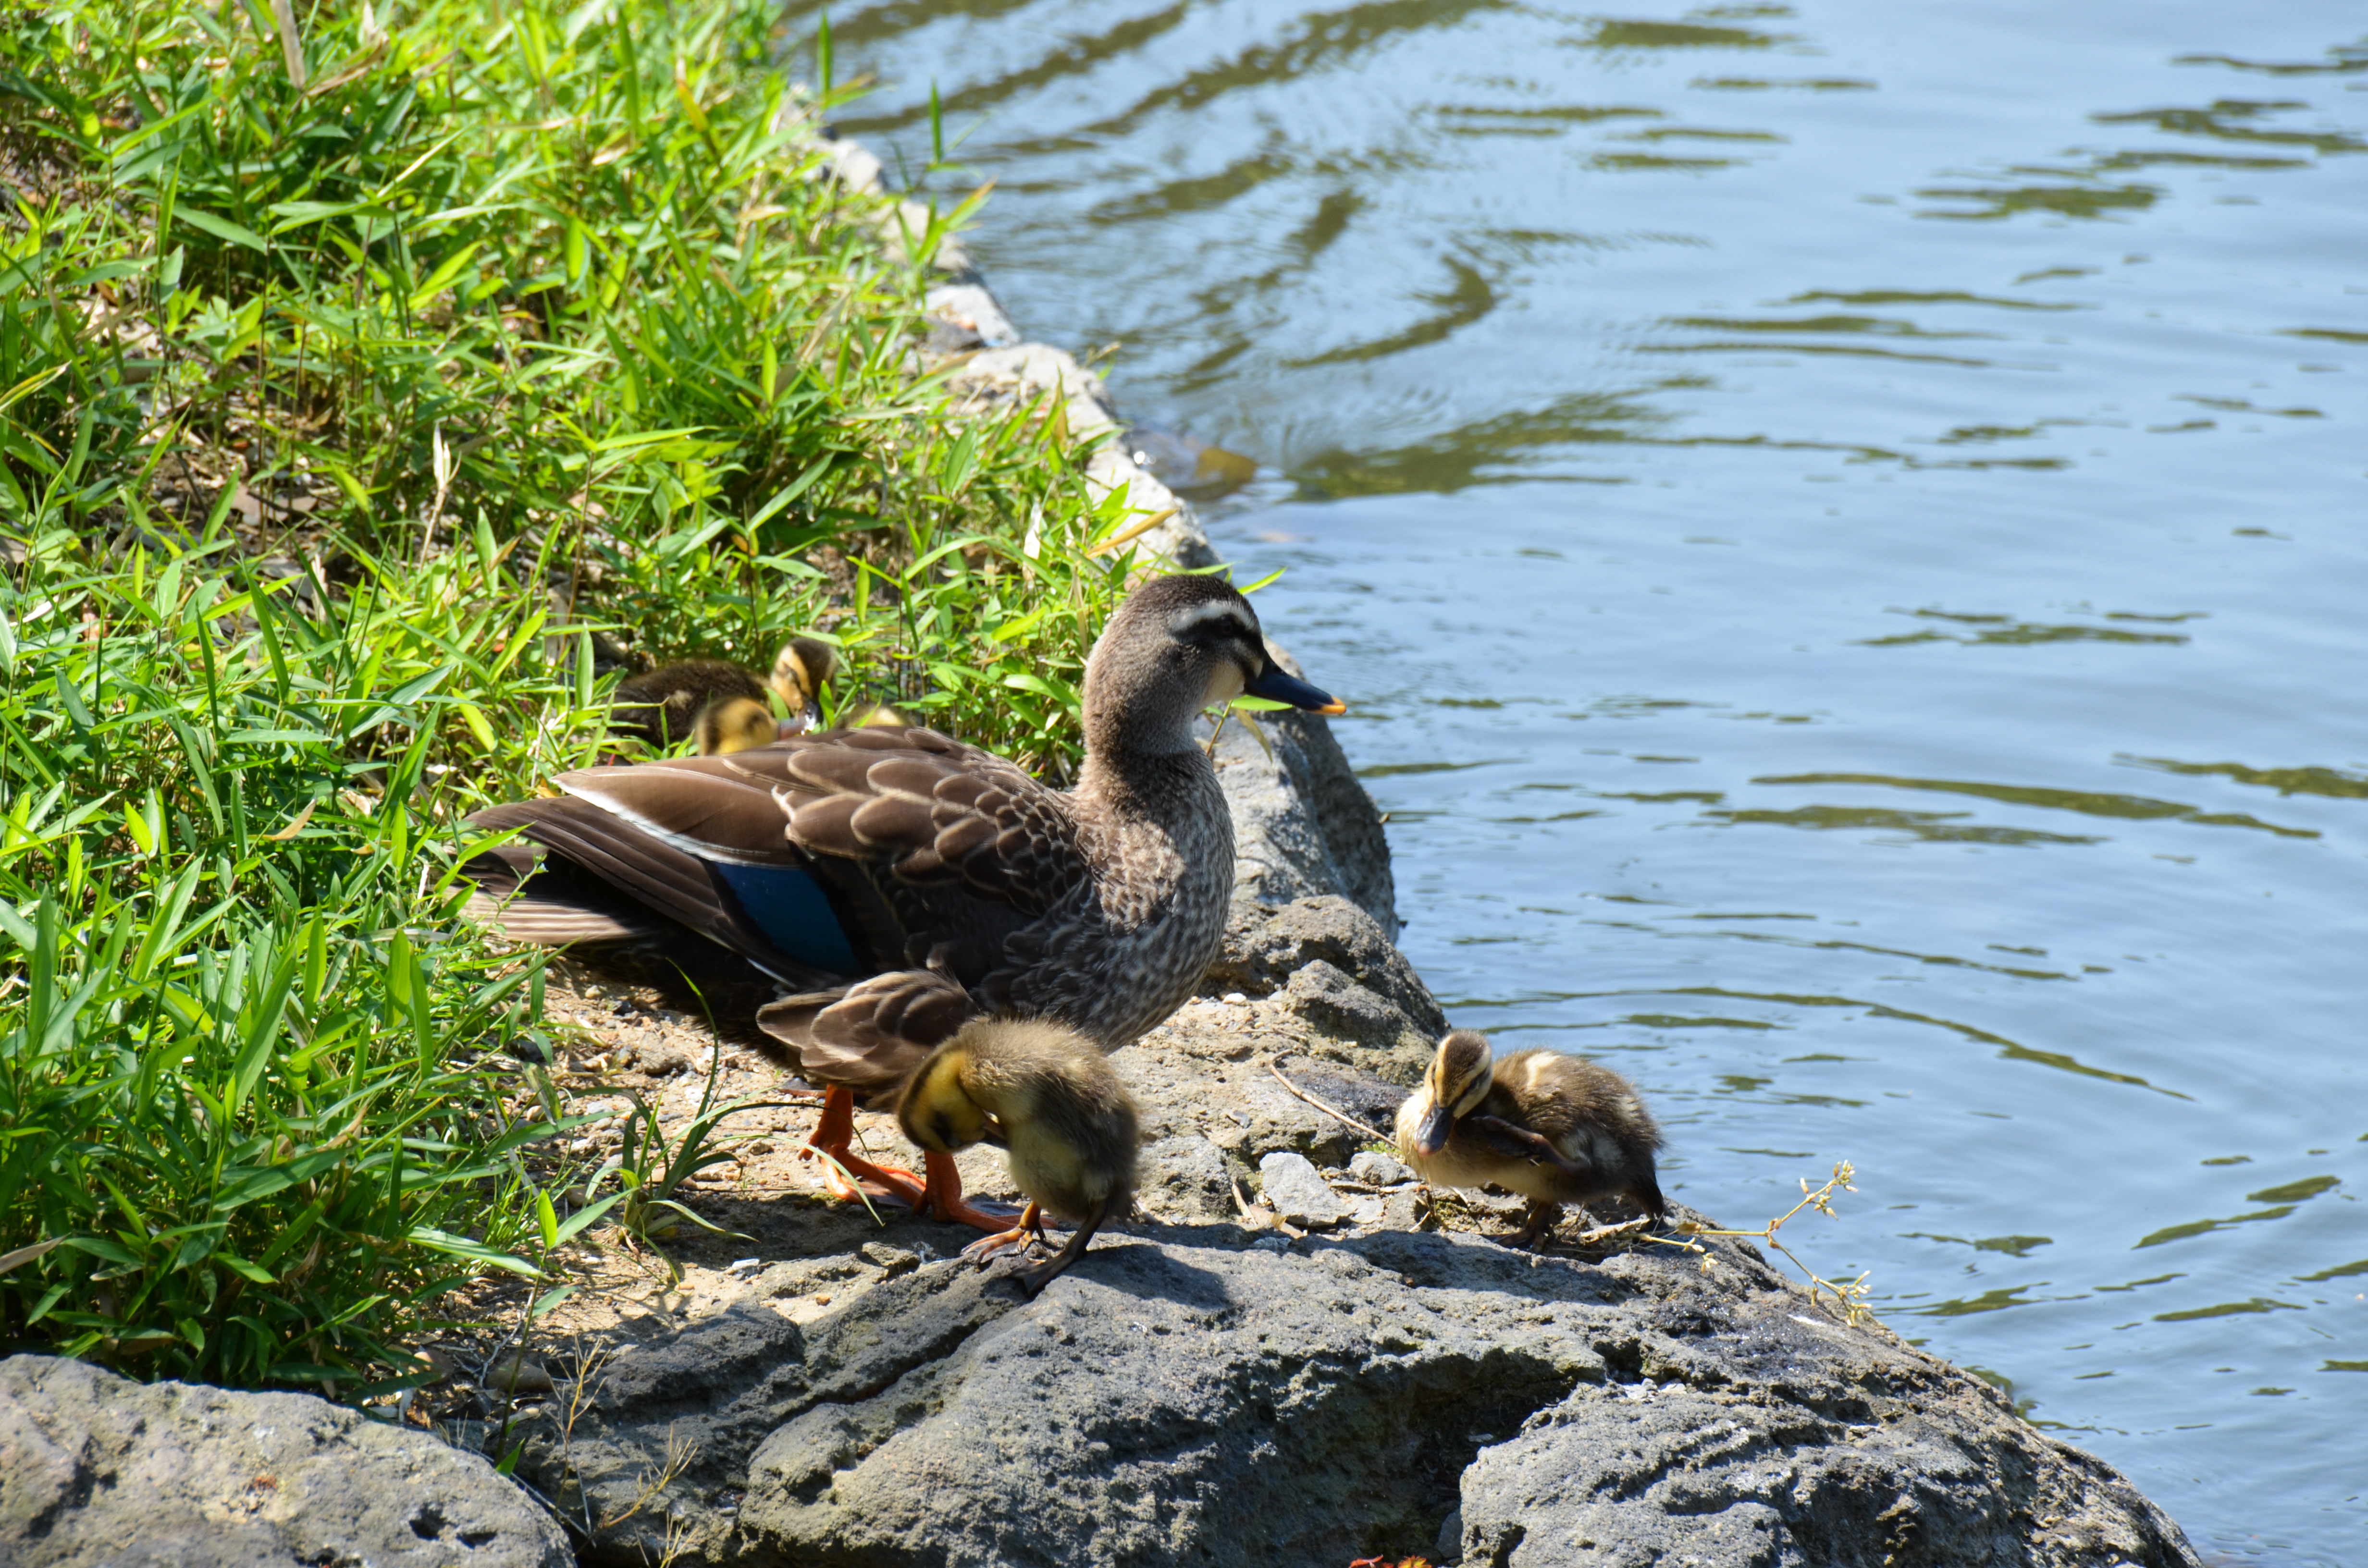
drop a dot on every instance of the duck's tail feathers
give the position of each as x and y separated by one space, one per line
551 909
550 923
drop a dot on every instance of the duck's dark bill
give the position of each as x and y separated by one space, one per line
1278 685
1431 1136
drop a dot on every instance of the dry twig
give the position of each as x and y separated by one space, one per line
1260 1214
1334 1112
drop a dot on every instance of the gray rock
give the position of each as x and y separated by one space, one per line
1295 1189
891 1260
973 316
100 1472
1450 1546
1207 1077
1185 1179
1381 1170
1264 947
1303 827
1181 1396
1710 1470
1340 1007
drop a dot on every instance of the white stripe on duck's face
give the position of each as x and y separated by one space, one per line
1229 630
1232 614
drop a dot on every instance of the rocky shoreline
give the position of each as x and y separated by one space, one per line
1287 1358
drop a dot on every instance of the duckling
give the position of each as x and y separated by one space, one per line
667 704
879 716
799 672
1048 1097
1552 1128
736 723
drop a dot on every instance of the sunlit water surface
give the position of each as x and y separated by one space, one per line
1843 525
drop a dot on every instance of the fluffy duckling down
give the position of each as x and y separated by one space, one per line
1047 1096
716 699
740 723
1552 1128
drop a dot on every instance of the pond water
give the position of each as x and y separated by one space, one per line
1842 526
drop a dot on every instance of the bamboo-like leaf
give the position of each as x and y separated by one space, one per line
223 229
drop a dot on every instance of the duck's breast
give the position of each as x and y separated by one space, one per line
1128 946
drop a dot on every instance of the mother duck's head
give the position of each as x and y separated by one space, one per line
1178 645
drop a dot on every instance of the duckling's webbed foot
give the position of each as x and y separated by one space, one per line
1032 1280
1030 1230
846 1173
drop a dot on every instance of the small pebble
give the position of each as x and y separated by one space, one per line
1296 1189
1378 1170
739 1263
519 1373
1235 997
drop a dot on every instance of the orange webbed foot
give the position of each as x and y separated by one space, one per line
942 1196
847 1174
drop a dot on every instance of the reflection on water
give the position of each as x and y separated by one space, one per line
1840 527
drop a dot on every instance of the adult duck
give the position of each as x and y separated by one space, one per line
900 882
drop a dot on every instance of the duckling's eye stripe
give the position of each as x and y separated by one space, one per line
1185 620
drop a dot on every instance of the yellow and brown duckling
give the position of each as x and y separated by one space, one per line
1048 1097
1554 1129
717 700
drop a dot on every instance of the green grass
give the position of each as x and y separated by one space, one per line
347 434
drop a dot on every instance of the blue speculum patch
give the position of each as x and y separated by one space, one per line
790 908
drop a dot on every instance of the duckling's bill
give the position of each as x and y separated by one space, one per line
1431 1136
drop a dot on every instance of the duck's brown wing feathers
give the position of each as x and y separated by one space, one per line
602 870
943 856
930 811
870 1036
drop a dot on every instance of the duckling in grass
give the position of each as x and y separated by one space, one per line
1047 1096
673 703
738 724
1552 1128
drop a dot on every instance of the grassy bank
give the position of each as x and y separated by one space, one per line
368 401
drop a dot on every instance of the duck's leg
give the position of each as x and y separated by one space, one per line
1032 1280
1031 1227
833 1136
942 1196
1543 1216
